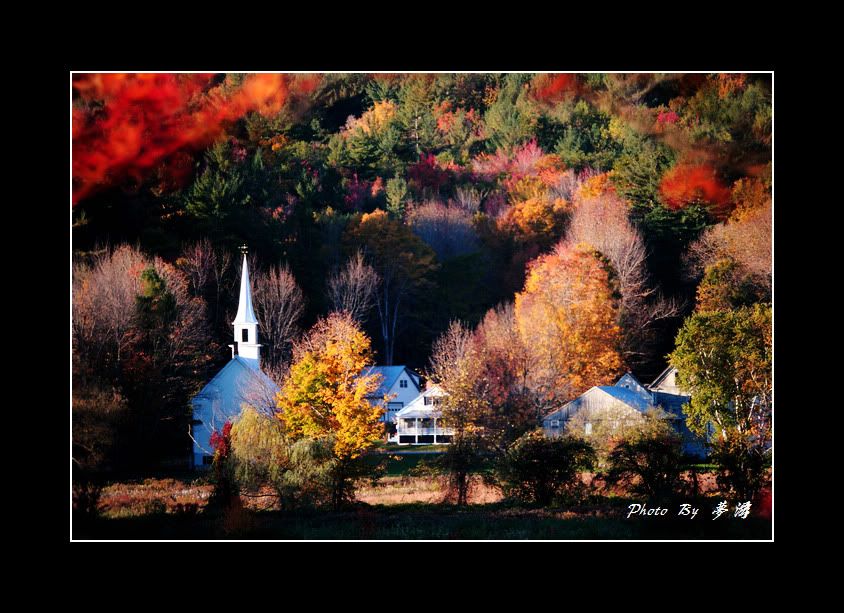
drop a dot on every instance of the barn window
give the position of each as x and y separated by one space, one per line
244 335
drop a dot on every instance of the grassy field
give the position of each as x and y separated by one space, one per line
395 507
405 448
421 521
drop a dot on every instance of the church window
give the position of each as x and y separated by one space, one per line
245 335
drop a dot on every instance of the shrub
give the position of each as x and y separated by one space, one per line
649 460
741 464
538 469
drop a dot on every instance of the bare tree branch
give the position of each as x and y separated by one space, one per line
353 288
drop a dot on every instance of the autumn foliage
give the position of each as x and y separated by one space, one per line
688 184
326 394
567 316
221 441
554 87
134 122
536 219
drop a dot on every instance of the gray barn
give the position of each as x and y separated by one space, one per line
623 404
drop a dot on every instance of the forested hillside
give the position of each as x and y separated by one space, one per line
570 219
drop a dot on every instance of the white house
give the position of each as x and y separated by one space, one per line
239 382
624 403
399 384
419 423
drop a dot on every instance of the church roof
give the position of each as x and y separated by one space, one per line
237 368
245 314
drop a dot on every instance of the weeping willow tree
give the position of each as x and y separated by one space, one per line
266 463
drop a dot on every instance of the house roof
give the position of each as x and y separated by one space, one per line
417 406
389 376
410 412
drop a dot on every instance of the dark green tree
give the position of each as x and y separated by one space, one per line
586 140
511 119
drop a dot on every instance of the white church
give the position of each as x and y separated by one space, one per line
239 382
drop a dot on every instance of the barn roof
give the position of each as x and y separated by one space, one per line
673 403
627 396
661 377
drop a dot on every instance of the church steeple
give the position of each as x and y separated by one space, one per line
245 314
245 324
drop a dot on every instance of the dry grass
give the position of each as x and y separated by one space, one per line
405 490
153 496
182 496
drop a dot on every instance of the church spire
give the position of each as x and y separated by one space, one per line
245 314
245 324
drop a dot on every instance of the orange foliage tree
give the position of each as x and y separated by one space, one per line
125 125
749 195
687 184
567 317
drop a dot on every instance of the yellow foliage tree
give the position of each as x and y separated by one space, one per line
595 187
537 220
567 317
325 394
375 119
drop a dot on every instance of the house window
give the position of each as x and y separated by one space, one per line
244 335
588 428
555 423
429 400
403 383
